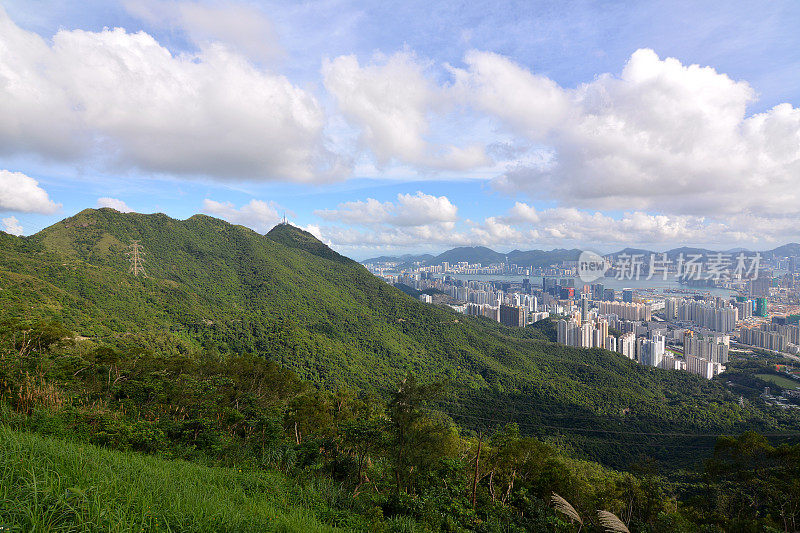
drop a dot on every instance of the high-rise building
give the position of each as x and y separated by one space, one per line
669 362
760 286
586 337
708 316
562 332
627 311
670 308
597 291
626 345
744 309
598 339
771 336
704 367
512 316
761 307
627 295
569 332
651 351
609 295
610 343
602 326
711 347
584 308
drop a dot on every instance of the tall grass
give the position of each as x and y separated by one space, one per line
53 485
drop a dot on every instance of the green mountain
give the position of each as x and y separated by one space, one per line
542 258
217 288
469 254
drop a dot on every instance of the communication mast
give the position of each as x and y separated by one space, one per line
135 254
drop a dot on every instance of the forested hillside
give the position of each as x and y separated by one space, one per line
241 444
218 289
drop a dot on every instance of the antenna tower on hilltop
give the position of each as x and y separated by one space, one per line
135 254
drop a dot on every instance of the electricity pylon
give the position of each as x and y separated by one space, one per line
135 254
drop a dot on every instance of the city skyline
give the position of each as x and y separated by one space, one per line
396 138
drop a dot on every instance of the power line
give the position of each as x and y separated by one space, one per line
135 254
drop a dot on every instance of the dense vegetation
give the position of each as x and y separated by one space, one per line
278 356
270 451
218 289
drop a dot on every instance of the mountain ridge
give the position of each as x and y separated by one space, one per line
541 258
215 290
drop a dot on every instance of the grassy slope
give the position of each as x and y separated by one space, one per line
288 297
53 485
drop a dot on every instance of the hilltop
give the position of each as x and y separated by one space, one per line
219 289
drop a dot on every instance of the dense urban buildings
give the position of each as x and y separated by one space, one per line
682 329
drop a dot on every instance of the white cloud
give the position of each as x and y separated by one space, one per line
571 226
11 225
392 236
531 103
522 212
525 227
242 26
390 101
114 203
315 230
494 232
661 136
126 99
19 192
257 214
410 220
418 209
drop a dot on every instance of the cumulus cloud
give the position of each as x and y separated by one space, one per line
525 227
570 226
522 212
257 214
418 209
531 103
242 26
114 203
392 236
11 225
661 136
390 101
126 98
19 192
410 220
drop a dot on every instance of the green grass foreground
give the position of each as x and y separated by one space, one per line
49 484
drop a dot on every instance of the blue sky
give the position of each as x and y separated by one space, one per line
393 127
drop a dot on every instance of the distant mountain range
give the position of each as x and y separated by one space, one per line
485 256
543 258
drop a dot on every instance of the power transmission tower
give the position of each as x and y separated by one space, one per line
135 254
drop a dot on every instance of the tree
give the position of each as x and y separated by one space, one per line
419 437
